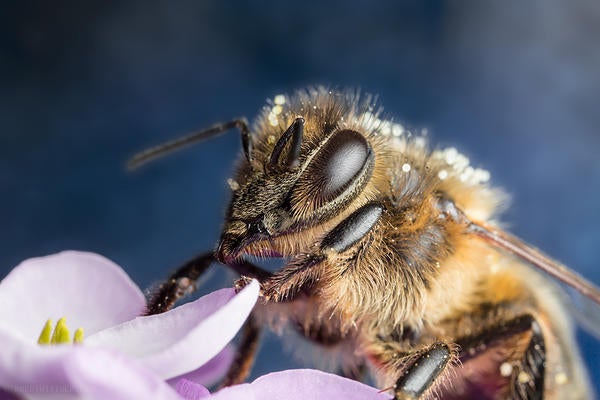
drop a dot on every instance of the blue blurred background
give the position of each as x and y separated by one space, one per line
514 85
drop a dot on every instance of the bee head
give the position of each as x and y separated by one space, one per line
297 187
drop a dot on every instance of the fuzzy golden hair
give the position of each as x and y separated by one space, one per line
418 270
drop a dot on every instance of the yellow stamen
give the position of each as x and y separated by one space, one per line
46 332
78 336
60 334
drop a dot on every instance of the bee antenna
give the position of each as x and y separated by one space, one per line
295 131
163 149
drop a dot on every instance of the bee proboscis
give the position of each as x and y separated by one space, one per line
395 264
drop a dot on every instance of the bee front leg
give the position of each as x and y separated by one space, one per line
183 281
296 278
303 272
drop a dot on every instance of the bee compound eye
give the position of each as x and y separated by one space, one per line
353 228
339 163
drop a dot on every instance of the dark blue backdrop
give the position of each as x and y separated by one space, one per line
515 85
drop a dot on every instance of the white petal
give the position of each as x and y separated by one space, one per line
99 374
210 373
89 290
301 384
25 367
185 338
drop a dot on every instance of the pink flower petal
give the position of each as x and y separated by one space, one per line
190 390
181 340
74 371
210 373
6 395
98 374
30 368
89 290
301 384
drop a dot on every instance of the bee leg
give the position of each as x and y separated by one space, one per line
292 280
422 369
358 373
510 357
183 281
301 274
179 284
245 355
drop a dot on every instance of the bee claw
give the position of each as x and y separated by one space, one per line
264 293
241 283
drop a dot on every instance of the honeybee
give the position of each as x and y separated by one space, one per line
395 264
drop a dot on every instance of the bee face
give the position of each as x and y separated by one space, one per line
293 188
258 213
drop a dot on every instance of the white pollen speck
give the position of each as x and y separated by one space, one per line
506 369
467 174
443 174
271 139
273 119
314 107
406 167
482 175
279 99
523 377
461 162
561 378
450 155
277 110
386 129
397 130
420 142
233 184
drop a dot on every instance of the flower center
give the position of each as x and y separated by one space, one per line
60 334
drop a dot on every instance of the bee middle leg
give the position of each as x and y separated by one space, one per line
246 353
421 371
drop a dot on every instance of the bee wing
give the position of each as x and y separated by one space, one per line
585 311
583 296
535 257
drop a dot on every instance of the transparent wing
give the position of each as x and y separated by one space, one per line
582 296
585 311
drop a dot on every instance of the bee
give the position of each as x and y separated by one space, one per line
395 265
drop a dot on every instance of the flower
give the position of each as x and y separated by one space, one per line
300 384
122 355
